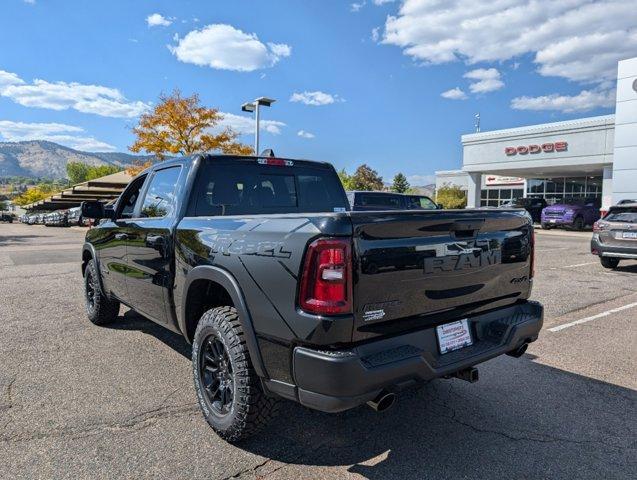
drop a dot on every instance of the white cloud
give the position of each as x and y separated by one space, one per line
227 48
245 125
280 49
30 2
304 134
315 98
375 34
96 99
383 2
579 40
52 132
488 80
158 20
421 180
585 100
454 94
356 7
8 78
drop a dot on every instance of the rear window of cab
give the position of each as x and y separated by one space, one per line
248 187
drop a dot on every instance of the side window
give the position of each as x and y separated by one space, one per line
421 203
126 203
383 202
160 197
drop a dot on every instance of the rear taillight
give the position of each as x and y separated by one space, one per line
599 226
326 279
532 243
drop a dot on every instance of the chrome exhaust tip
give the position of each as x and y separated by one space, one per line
383 401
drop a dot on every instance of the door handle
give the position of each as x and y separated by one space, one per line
121 236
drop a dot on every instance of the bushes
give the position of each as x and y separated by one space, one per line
451 196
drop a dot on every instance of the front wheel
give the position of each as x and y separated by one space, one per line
99 308
228 389
609 262
578 224
545 226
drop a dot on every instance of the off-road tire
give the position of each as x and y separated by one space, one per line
609 262
101 310
251 408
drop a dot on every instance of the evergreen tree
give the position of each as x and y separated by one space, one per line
400 185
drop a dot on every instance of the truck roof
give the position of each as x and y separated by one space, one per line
214 156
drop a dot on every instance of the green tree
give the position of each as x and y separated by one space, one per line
346 180
79 172
400 185
451 196
365 178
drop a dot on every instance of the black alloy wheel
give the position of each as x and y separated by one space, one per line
100 309
216 373
90 291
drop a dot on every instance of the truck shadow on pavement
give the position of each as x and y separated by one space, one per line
522 420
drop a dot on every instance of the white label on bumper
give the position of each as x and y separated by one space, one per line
453 336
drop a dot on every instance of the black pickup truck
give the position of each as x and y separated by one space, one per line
286 293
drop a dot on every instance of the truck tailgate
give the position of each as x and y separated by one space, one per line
414 269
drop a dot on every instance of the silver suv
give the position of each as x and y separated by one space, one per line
615 235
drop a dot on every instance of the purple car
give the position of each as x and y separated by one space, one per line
574 213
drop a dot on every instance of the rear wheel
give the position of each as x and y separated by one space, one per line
609 262
99 308
228 389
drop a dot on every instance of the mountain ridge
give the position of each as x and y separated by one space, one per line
45 159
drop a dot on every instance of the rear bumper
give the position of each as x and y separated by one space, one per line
338 380
604 250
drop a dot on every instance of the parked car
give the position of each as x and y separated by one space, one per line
615 236
360 200
7 217
59 218
576 213
259 264
74 217
626 200
49 219
532 205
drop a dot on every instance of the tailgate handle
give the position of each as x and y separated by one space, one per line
466 228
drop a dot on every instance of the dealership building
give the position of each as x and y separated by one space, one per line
592 157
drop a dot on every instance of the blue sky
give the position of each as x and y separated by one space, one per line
388 83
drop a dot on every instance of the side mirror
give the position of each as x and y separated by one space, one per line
96 210
440 206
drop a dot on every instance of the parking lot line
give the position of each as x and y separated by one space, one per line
592 317
573 265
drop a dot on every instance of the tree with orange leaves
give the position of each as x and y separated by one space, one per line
182 126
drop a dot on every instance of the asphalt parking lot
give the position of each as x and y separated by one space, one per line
80 401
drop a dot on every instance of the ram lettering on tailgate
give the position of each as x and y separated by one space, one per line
463 261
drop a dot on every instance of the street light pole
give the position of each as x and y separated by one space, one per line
256 128
254 107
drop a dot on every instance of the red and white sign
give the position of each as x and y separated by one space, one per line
492 180
536 148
